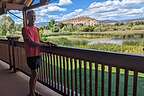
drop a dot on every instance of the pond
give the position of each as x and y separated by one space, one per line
113 41
117 42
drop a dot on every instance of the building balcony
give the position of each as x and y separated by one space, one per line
75 72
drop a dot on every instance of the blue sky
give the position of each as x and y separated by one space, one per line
98 9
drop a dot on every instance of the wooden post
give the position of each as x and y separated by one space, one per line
12 52
9 50
24 18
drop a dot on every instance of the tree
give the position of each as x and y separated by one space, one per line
7 24
18 27
51 24
68 28
61 25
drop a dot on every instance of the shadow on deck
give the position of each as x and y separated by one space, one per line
16 84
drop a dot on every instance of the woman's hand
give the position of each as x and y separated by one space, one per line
47 46
43 47
50 44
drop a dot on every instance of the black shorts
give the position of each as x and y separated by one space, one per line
34 62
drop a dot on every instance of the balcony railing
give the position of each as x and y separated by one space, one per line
79 72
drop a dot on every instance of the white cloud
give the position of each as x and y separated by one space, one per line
72 14
16 15
133 1
43 13
51 8
114 9
64 2
47 17
78 10
55 9
110 9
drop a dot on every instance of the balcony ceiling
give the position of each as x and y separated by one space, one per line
12 4
6 5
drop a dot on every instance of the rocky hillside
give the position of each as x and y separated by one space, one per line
81 21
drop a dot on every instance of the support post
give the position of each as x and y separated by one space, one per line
24 18
12 44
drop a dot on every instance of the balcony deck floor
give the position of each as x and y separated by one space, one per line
16 84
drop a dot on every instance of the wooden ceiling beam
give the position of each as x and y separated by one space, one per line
22 2
13 6
10 1
42 3
21 7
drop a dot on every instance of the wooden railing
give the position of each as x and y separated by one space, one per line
79 72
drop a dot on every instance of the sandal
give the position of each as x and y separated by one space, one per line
37 94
